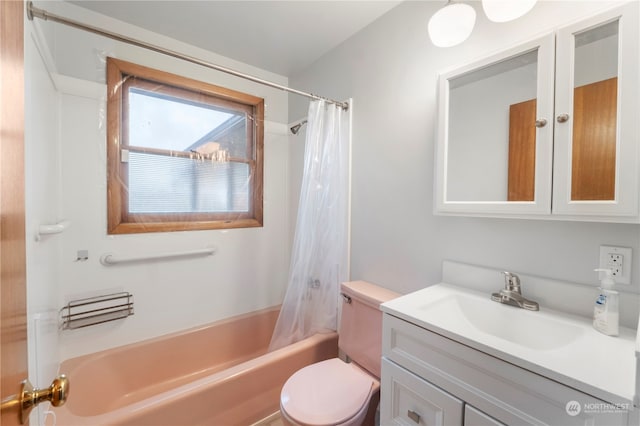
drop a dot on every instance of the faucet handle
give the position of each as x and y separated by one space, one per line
511 281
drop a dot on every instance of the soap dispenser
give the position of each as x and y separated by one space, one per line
606 315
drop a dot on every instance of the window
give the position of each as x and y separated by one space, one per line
181 154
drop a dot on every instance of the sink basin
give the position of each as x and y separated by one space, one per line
534 330
553 344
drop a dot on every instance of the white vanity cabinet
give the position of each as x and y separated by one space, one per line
547 129
413 400
473 417
429 379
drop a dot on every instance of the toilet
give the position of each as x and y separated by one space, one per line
334 392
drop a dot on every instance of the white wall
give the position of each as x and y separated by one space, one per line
596 61
390 69
249 271
42 206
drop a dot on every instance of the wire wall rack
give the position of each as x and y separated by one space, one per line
96 310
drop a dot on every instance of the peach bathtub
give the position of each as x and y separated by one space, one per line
220 374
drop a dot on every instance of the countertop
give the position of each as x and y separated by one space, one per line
589 361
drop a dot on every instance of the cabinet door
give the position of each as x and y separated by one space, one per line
473 417
406 399
494 150
596 127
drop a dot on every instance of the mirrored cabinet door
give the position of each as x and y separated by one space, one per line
596 123
495 133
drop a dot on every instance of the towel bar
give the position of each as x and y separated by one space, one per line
109 259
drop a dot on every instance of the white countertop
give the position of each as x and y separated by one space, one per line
586 360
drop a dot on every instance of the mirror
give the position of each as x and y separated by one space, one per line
495 133
548 127
593 162
491 131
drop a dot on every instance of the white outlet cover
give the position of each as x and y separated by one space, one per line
625 278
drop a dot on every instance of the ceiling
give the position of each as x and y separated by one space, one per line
283 37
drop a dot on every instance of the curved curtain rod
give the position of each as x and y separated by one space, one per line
35 12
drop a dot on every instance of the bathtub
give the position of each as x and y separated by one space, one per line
219 374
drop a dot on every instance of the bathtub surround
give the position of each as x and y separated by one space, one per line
319 257
67 180
391 70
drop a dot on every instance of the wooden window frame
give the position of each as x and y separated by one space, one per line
120 76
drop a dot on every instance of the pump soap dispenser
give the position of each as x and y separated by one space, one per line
606 315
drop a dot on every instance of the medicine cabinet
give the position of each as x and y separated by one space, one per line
548 129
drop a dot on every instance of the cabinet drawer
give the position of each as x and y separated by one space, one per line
504 391
473 417
406 399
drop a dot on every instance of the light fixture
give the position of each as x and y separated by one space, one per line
452 24
506 10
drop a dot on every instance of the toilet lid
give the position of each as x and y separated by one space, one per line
326 393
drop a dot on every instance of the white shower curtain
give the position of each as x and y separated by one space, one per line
319 255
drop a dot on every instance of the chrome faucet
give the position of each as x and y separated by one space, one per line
512 294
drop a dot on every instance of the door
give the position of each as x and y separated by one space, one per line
522 151
13 311
593 162
596 126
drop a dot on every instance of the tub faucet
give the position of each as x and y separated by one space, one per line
512 294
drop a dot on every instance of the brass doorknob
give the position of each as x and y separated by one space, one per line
29 397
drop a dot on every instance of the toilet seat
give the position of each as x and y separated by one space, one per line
330 392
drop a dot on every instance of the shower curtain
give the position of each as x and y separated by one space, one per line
319 255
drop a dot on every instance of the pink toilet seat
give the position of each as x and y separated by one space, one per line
330 392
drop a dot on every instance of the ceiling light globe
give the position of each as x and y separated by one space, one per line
506 10
452 24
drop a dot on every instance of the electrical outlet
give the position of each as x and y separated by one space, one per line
615 262
618 259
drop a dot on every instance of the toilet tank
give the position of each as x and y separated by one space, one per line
360 331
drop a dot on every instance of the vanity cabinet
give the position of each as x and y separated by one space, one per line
473 417
428 379
546 129
416 401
